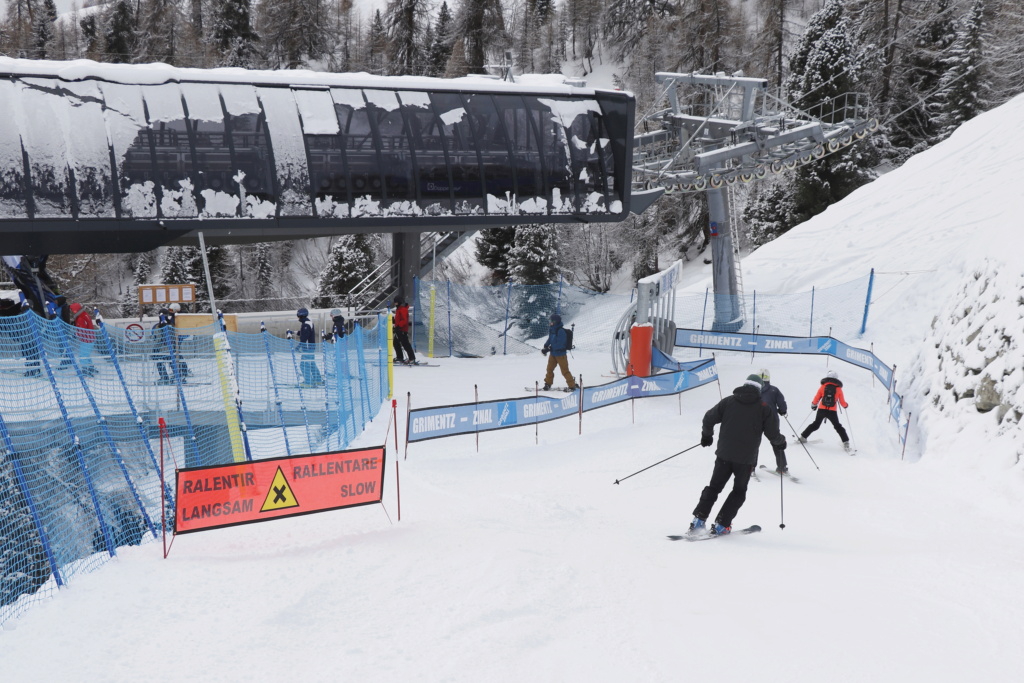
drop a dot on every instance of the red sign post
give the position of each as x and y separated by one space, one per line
242 493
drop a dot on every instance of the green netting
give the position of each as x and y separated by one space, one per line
79 436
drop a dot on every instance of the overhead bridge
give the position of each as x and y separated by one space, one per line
125 158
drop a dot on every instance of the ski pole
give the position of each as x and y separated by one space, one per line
802 444
657 463
782 504
846 411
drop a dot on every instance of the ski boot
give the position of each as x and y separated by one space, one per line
697 525
720 530
801 439
847 447
546 387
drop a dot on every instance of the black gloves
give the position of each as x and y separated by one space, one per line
544 350
706 440
782 414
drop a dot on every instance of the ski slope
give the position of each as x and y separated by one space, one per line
525 562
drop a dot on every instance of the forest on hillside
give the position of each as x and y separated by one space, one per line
925 65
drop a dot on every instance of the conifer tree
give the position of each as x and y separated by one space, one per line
916 92
350 260
961 89
119 37
492 252
404 22
377 45
441 45
233 35
43 28
480 24
533 258
824 68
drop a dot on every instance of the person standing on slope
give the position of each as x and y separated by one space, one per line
826 402
744 417
772 396
311 376
557 344
401 332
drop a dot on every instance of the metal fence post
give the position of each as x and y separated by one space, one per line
810 331
867 302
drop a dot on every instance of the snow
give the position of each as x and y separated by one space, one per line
316 108
525 562
79 69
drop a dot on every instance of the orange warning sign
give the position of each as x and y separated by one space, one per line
241 493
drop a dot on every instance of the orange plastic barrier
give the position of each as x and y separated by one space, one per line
641 343
242 493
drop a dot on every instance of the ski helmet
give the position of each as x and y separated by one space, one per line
765 375
755 381
335 312
301 313
832 374
555 319
175 307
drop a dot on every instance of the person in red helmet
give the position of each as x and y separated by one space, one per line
826 402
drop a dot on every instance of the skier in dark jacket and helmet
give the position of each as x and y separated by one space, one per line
744 417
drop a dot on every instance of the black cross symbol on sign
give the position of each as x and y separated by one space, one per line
279 493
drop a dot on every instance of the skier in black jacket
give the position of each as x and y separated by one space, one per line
773 397
744 417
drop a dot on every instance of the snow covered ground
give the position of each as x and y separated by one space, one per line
525 562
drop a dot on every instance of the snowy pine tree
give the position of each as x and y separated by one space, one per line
351 260
480 24
233 35
404 21
492 252
916 91
533 258
43 29
825 67
961 89
770 209
441 45
119 36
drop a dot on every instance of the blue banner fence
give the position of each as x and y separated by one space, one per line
79 435
437 422
827 346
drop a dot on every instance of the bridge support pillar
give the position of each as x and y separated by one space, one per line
728 308
405 261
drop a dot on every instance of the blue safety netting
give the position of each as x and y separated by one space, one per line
79 434
510 319
838 311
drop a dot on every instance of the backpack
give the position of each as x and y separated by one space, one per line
568 337
829 398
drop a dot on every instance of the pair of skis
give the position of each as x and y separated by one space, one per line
705 536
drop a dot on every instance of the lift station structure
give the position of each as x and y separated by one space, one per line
720 130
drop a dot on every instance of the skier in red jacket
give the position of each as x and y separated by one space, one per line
85 332
826 402
401 338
